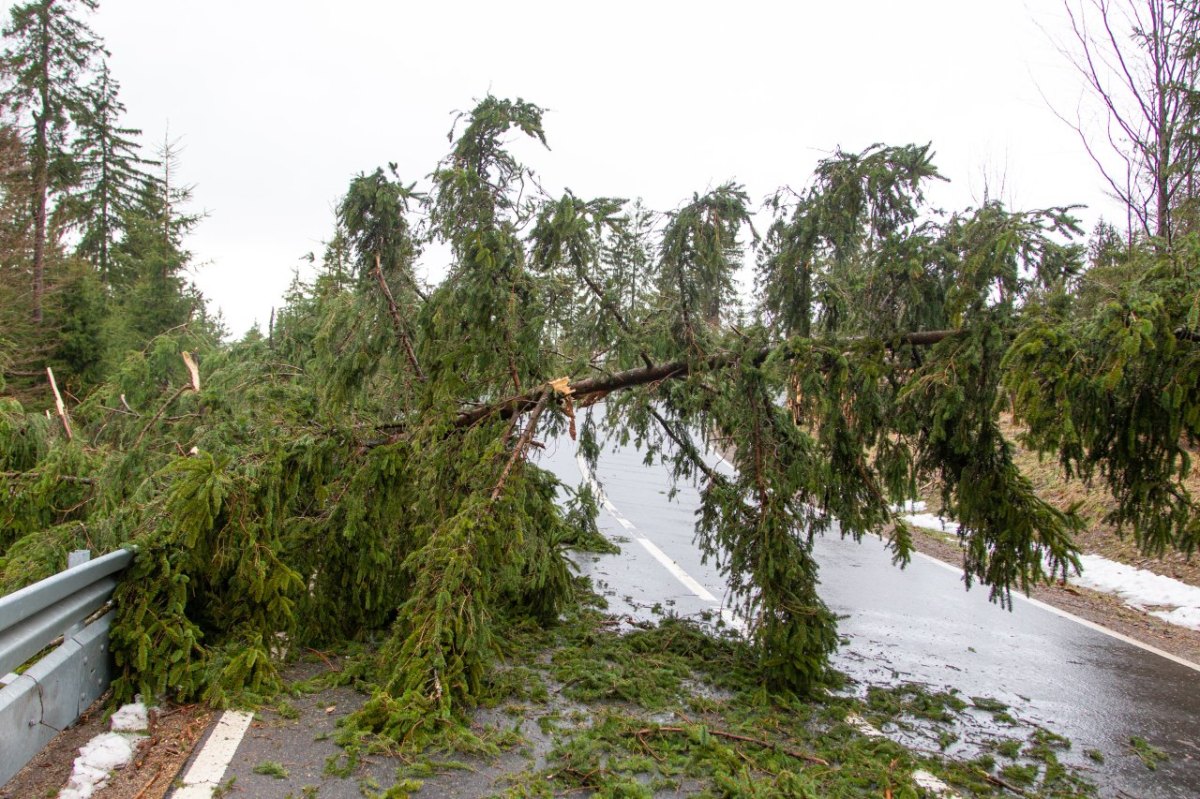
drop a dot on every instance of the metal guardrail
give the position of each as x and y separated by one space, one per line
51 694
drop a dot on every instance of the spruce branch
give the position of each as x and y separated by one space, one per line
731 736
62 478
397 322
194 385
523 441
591 389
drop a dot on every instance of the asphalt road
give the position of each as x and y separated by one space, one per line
921 625
917 625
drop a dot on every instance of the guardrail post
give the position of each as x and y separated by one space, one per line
75 558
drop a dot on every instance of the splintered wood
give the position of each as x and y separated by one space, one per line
58 403
193 370
562 387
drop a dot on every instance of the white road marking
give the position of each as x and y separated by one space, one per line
676 570
1091 625
209 766
689 582
923 779
739 624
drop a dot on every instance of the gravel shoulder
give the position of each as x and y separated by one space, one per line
173 733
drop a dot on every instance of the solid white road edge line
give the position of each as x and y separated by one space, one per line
737 623
1091 625
209 766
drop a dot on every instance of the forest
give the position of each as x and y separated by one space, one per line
365 469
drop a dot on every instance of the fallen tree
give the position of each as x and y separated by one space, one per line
367 470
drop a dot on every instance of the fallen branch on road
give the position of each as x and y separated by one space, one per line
735 737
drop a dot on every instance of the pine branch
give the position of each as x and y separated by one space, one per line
685 444
613 310
194 385
735 737
523 441
62 478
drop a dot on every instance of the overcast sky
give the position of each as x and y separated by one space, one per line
279 104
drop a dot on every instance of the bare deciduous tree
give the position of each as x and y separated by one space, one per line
1138 58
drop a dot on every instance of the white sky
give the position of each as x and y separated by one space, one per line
280 104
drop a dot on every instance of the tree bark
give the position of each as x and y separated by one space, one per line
595 387
41 171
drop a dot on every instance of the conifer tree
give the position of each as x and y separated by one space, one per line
112 174
147 273
15 248
50 51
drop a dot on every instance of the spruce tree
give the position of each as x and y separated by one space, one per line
16 235
150 292
50 52
112 176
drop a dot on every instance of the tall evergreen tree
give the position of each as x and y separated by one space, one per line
151 293
50 51
15 227
112 174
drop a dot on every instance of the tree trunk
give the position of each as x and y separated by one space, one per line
593 388
41 186
41 172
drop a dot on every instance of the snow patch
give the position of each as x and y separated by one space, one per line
913 512
1143 589
1170 600
1184 617
107 752
930 522
130 718
932 785
924 780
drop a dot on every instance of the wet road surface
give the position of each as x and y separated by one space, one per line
916 625
920 625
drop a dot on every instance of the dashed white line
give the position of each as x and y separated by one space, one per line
692 584
700 591
676 570
209 766
923 779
